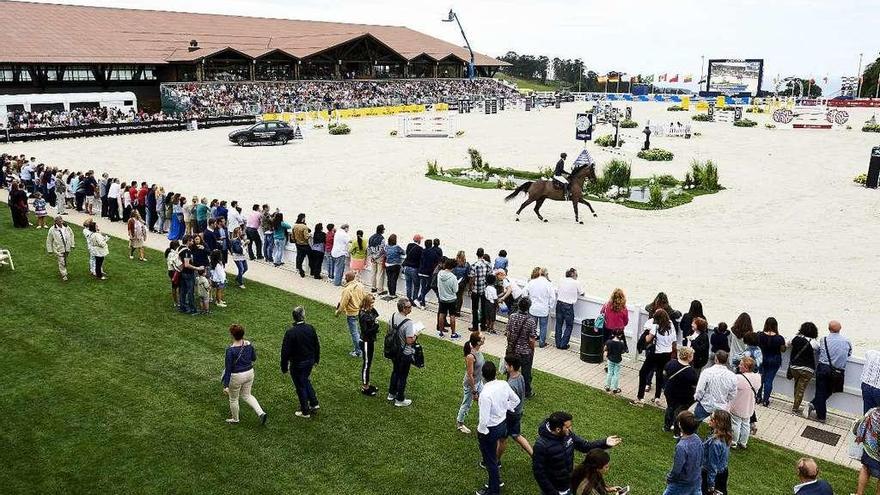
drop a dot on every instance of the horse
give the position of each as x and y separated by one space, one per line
541 190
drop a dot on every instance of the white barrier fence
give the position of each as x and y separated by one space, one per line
588 307
426 125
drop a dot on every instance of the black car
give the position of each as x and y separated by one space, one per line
274 131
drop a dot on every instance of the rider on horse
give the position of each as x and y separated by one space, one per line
560 176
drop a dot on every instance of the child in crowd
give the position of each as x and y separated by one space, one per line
40 211
514 419
501 261
752 350
720 339
203 292
615 347
490 301
684 477
218 277
716 453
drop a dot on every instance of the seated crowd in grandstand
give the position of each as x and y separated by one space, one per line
20 119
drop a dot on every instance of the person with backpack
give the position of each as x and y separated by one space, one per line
398 347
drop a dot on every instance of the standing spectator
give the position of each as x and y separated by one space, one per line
743 406
393 259
238 375
280 235
316 251
685 476
716 388
613 354
473 378
339 252
140 198
18 204
189 215
751 341
60 242
686 322
477 289
252 231
803 360
510 291
870 380
150 200
210 236
237 247
867 432
60 192
699 341
350 304
40 210
521 339
113 194
461 271
490 303
834 350
98 246
681 383
402 326
720 339
716 453
126 204
161 209
428 262
661 301
301 233
567 295
411 263
447 288
137 236
234 218
368 321
616 315
328 247
496 399
201 213
772 346
300 352
178 225
543 296
659 337
267 225
376 255
808 475
358 252
514 419
553 458
223 239
741 327
501 261
172 263
187 276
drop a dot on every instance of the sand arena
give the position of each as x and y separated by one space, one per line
792 236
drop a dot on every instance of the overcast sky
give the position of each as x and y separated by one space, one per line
795 37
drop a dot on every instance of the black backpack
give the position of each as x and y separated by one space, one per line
391 347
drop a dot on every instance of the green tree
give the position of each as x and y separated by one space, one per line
869 79
810 90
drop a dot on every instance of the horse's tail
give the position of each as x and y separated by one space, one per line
522 188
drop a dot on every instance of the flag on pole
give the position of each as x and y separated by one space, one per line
689 78
648 79
674 78
661 78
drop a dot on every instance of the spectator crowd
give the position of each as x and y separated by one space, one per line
717 374
21 119
247 98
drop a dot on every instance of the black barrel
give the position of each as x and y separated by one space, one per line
874 169
591 342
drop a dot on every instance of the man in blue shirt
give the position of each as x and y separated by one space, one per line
834 349
810 484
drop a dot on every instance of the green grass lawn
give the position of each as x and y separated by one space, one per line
527 84
108 390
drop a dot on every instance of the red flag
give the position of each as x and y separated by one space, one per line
661 78
674 78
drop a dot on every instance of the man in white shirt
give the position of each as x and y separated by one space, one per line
339 252
543 297
496 400
567 295
871 380
716 388
60 242
235 218
113 200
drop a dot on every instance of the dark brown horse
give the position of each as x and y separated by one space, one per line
540 190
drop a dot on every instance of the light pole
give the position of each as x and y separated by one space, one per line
454 17
859 85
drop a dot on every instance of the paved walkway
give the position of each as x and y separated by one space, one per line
776 424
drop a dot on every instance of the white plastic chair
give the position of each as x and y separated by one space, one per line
6 258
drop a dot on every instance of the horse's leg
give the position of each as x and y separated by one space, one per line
584 201
574 205
523 206
538 207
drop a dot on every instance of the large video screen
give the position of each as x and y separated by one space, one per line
732 77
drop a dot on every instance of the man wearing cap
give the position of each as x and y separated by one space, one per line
60 242
560 176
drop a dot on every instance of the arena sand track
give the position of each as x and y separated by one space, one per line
791 237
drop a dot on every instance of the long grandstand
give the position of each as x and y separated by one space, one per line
66 48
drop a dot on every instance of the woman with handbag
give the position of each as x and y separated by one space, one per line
802 365
660 345
238 374
613 316
772 346
867 432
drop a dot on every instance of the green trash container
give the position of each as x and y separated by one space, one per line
591 342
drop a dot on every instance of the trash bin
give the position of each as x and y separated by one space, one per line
591 342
